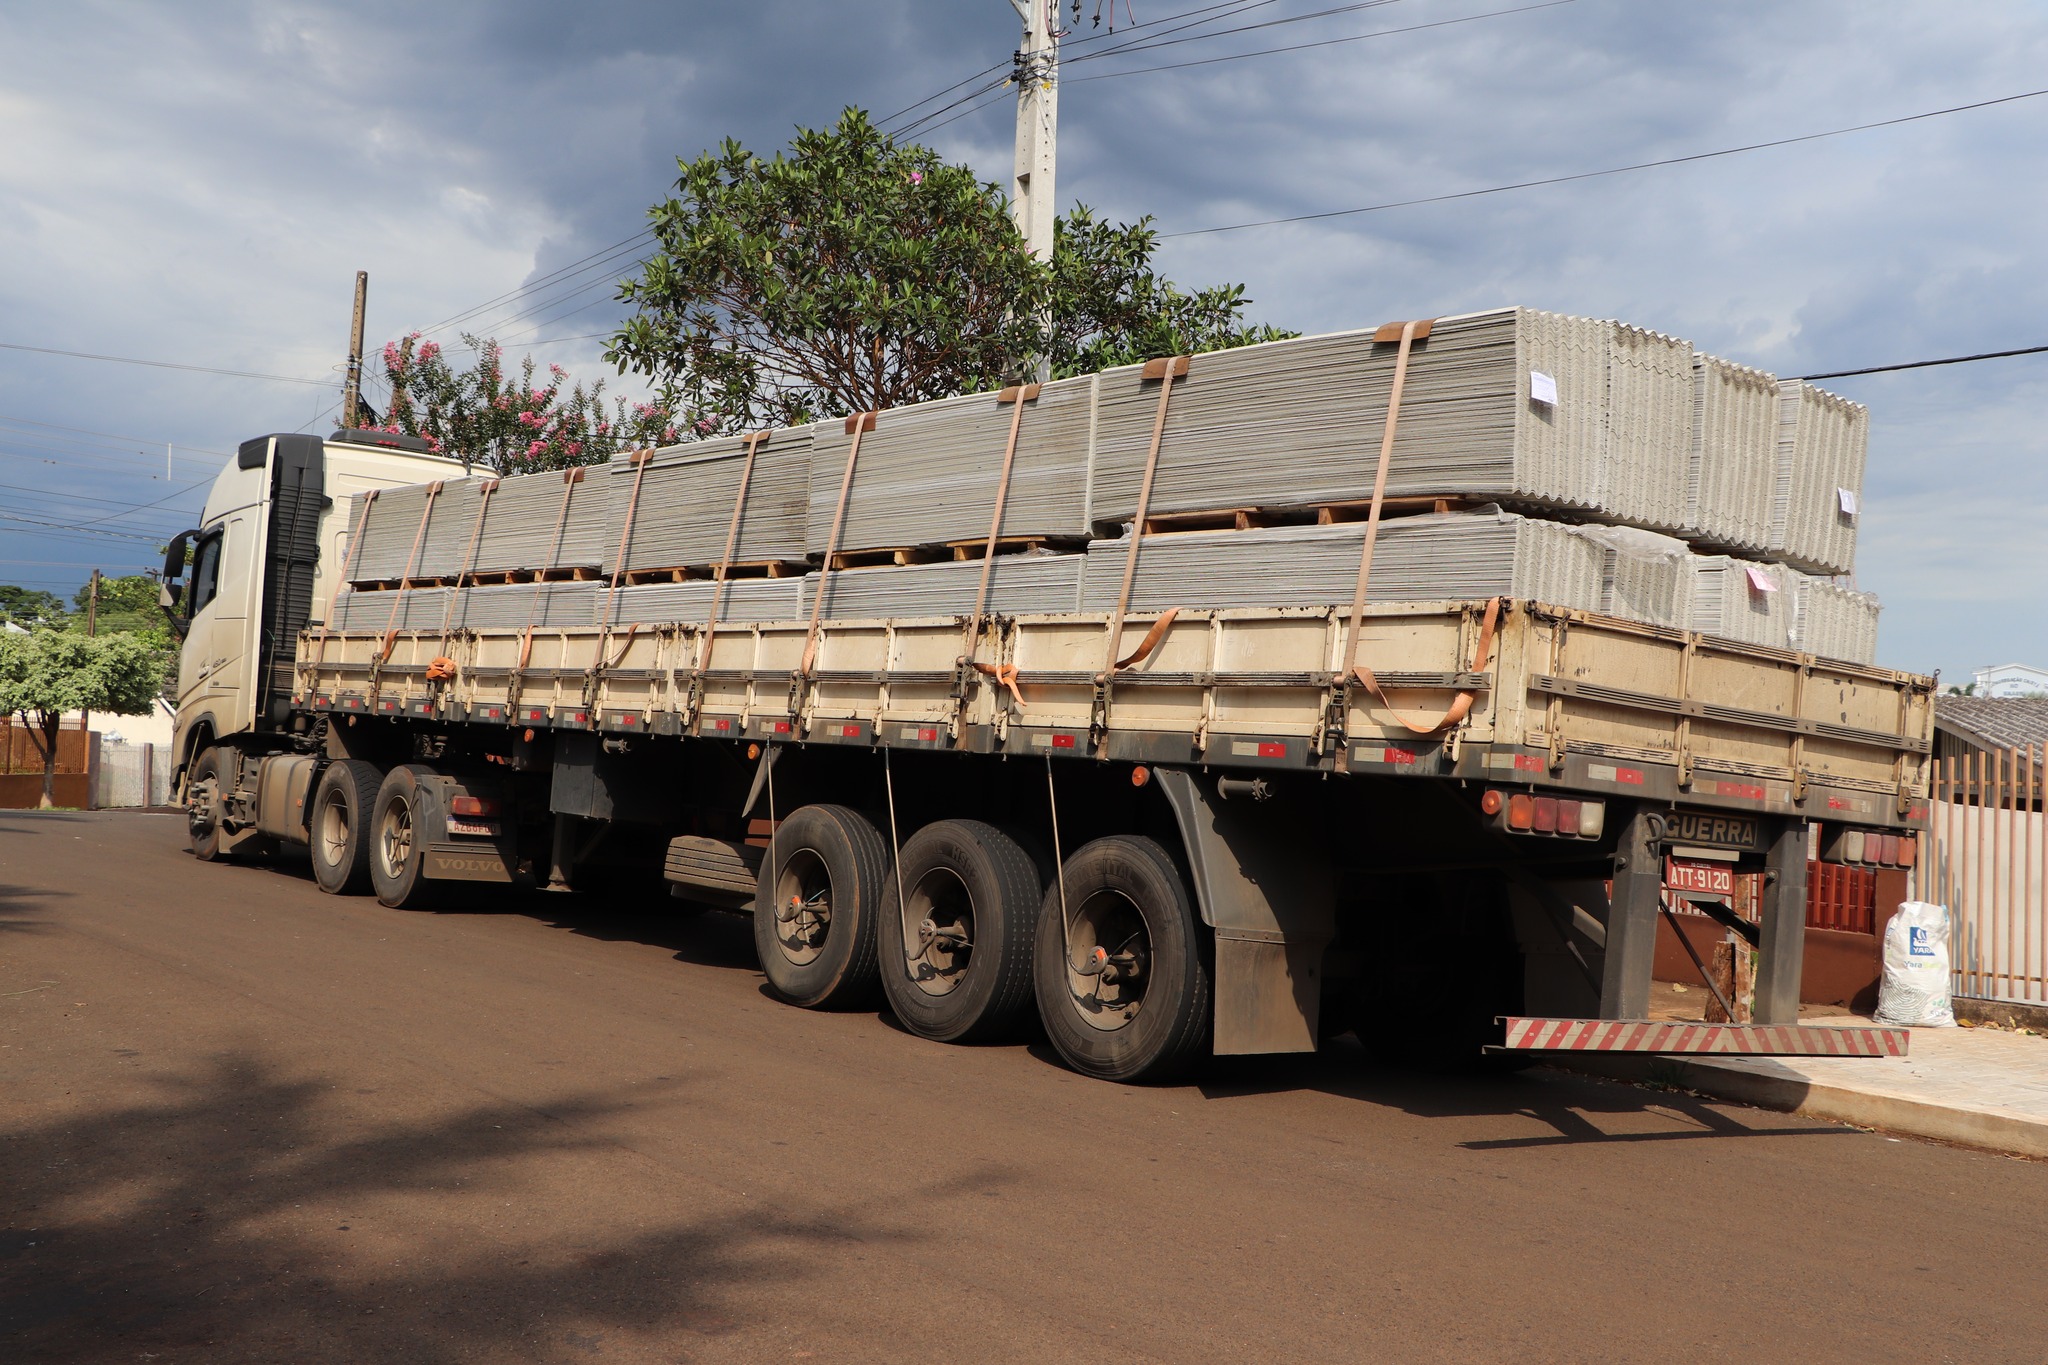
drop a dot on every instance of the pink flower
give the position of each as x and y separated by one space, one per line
705 426
917 177
536 448
668 433
575 449
604 428
429 349
502 401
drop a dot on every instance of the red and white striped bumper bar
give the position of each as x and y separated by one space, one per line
1754 1040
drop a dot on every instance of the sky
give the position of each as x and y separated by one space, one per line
196 185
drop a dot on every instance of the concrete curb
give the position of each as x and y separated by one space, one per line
1990 1129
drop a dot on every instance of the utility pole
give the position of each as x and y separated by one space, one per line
92 612
351 394
1037 74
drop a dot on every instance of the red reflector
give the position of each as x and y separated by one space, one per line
928 736
1528 763
1545 819
1062 741
849 732
1397 757
1888 852
1491 803
472 805
629 720
721 724
1522 810
1272 750
1633 776
1567 817
781 727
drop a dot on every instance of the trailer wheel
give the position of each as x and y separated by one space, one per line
815 907
202 808
1121 969
397 841
340 825
956 938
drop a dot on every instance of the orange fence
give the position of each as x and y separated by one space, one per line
1989 846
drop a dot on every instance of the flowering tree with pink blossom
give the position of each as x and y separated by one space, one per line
535 421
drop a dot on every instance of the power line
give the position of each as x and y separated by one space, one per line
544 280
1612 170
109 502
1324 42
1927 364
167 365
63 527
112 436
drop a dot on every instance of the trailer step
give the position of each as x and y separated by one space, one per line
1724 1040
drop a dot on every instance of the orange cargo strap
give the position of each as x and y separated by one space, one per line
348 562
412 560
1016 395
1164 371
1461 705
858 425
753 440
1407 333
476 534
641 459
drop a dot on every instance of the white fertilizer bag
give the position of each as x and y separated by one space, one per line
1914 992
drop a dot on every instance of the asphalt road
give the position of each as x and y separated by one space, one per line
240 1120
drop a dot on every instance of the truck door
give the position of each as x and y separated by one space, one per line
214 660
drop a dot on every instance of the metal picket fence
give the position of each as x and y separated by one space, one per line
1986 859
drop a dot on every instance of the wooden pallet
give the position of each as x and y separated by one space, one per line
961 550
1309 514
692 573
890 554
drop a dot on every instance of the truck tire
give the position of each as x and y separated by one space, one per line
397 841
956 940
815 910
1128 998
340 826
203 806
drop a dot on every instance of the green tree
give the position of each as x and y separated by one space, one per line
45 673
517 426
852 273
29 606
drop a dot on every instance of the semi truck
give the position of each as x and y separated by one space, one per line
1155 836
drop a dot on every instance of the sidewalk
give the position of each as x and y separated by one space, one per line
1980 1087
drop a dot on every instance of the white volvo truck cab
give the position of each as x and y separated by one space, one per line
264 563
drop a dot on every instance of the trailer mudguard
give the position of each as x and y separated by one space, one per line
1264 880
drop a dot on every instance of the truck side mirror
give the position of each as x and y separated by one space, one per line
174 573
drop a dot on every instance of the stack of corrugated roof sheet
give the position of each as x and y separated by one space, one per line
1298 422
525 519
1019 584
1742 600
1734 456
1834 621
746 600
1817 497
1648 416
1424 558
929 474
684 512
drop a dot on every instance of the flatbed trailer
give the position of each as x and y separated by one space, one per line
1165 833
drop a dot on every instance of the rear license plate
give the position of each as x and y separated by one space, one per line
487 828
1706 879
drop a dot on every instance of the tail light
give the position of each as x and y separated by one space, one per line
1521 810
1592 819
472 805
1909 850
1852 846
1528 813
1491 802
1545 818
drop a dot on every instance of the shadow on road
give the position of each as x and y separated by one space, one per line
244 1214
